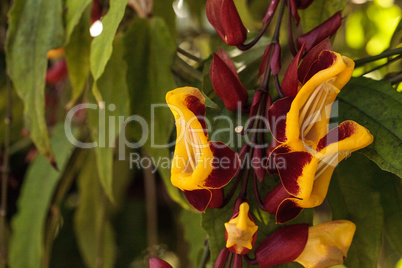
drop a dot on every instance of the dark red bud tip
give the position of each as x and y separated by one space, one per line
226 82
223 16
158 263
283 246
276 60
326 29
238 262
290 83
271 10
303 4
56 73
96 11
222 258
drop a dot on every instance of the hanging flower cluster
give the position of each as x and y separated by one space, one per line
303 152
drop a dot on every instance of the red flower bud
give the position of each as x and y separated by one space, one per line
223 16
275 61
298 4
158 263
271 10
56 73
326 29
226 82
303 4
283 246
222 258
259 164
96 11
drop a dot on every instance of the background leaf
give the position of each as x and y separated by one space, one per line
33 204
74 11
92 228
104 131
353 195
378 107
35 27
77 56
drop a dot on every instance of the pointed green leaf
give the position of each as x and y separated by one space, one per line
149 54
74 11
91 225
377 106
35 27
77 56
105 124
33 204
353 196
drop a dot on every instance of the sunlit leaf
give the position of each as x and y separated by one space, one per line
35 27
377 106
105 123
74 11
33 204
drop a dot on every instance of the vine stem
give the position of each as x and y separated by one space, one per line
205 255
4 174
384 54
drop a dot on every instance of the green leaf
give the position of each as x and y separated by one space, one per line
77 56
353 195
113 87
33 204
74 11
102 45
319 11
150 51
35 27
92 228
378 107
194 234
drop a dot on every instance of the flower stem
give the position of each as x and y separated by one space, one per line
205 255
383 65
4 182
384 54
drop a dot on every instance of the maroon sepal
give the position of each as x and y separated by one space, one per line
264 60
158 263
56 73
326 29
303 4
311 57
223 16
258 164
226 82
217 198
293 9
238 261
96 11
295 163
271 10
222 258
276 60
287 210
274 198
277 118
223 171
198 199
290 83
283 246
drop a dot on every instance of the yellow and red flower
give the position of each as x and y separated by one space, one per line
200 167
305 152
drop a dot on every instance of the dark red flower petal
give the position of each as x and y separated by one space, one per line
217 198
311 57
212 9
277 118
272 166
294 170
227 84
225 165
325 60
158 263
199 199
287 210
343 131
290 83
275 198
283 246
326 29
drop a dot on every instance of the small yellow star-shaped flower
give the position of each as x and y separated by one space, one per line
240 230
